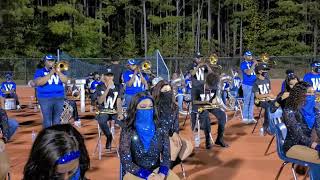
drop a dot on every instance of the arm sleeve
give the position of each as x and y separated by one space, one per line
283 86
306 78
126 77
243 66
126 158
296 129
14 87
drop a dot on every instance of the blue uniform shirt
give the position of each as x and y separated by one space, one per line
137 85
52 89
247 79
314 80
8 86
94 84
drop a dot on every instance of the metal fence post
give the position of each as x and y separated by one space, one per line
25 71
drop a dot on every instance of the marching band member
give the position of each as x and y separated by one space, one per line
134 80
116 69
8 90
262 91
50 91
144 148
249 77
284 84
204 94
290 81
301 117
109 105
93 86
89 80
178 88
313 77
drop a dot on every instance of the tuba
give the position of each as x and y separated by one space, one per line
217 101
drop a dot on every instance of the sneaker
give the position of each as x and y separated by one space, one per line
253 121
78 123
18 107
245 121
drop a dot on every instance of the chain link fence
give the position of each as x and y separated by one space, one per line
23 69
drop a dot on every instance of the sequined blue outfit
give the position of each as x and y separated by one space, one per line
298 131
141 163
169 121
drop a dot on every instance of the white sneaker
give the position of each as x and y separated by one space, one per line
252 121
18 107
245 121
78 123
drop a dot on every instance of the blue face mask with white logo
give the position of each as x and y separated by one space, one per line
307 110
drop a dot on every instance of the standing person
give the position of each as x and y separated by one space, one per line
204 95
178 88
116 70
8 90
262 92
249 76
284 84
109 105
50 91
134 80
313 77
144 148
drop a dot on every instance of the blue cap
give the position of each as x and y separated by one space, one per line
248 53
49 57
132 62
315 64
8 76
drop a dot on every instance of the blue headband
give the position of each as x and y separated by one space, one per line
144 97
315 64
68 157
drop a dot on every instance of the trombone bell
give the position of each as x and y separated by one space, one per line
62 65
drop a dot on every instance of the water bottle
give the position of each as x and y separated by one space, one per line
33 135
196 141
261 131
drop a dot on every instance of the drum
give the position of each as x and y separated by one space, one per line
10 104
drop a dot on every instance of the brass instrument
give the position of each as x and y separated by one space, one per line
62 65
146 66
213 60
107 111
217 101
66 115
257 100
76 93
265 58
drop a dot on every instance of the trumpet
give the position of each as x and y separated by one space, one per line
61 65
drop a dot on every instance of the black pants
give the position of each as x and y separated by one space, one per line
266 105
103 122
205 120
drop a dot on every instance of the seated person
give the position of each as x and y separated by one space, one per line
7 126
93 87
289 72
280 100
178 88
301 118
8 90
144 148
58 152
262 91
109 105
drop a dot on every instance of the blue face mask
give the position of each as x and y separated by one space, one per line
308 111
76 176
145 126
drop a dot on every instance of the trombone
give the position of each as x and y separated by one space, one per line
61 65
213 61
265 58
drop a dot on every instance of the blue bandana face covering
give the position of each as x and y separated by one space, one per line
145 126
308 112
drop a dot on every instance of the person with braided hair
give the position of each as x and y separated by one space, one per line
301 118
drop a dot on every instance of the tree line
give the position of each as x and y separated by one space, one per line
129 28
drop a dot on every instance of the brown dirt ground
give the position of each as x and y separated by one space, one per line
244 159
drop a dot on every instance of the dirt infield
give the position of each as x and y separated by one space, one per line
244 159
